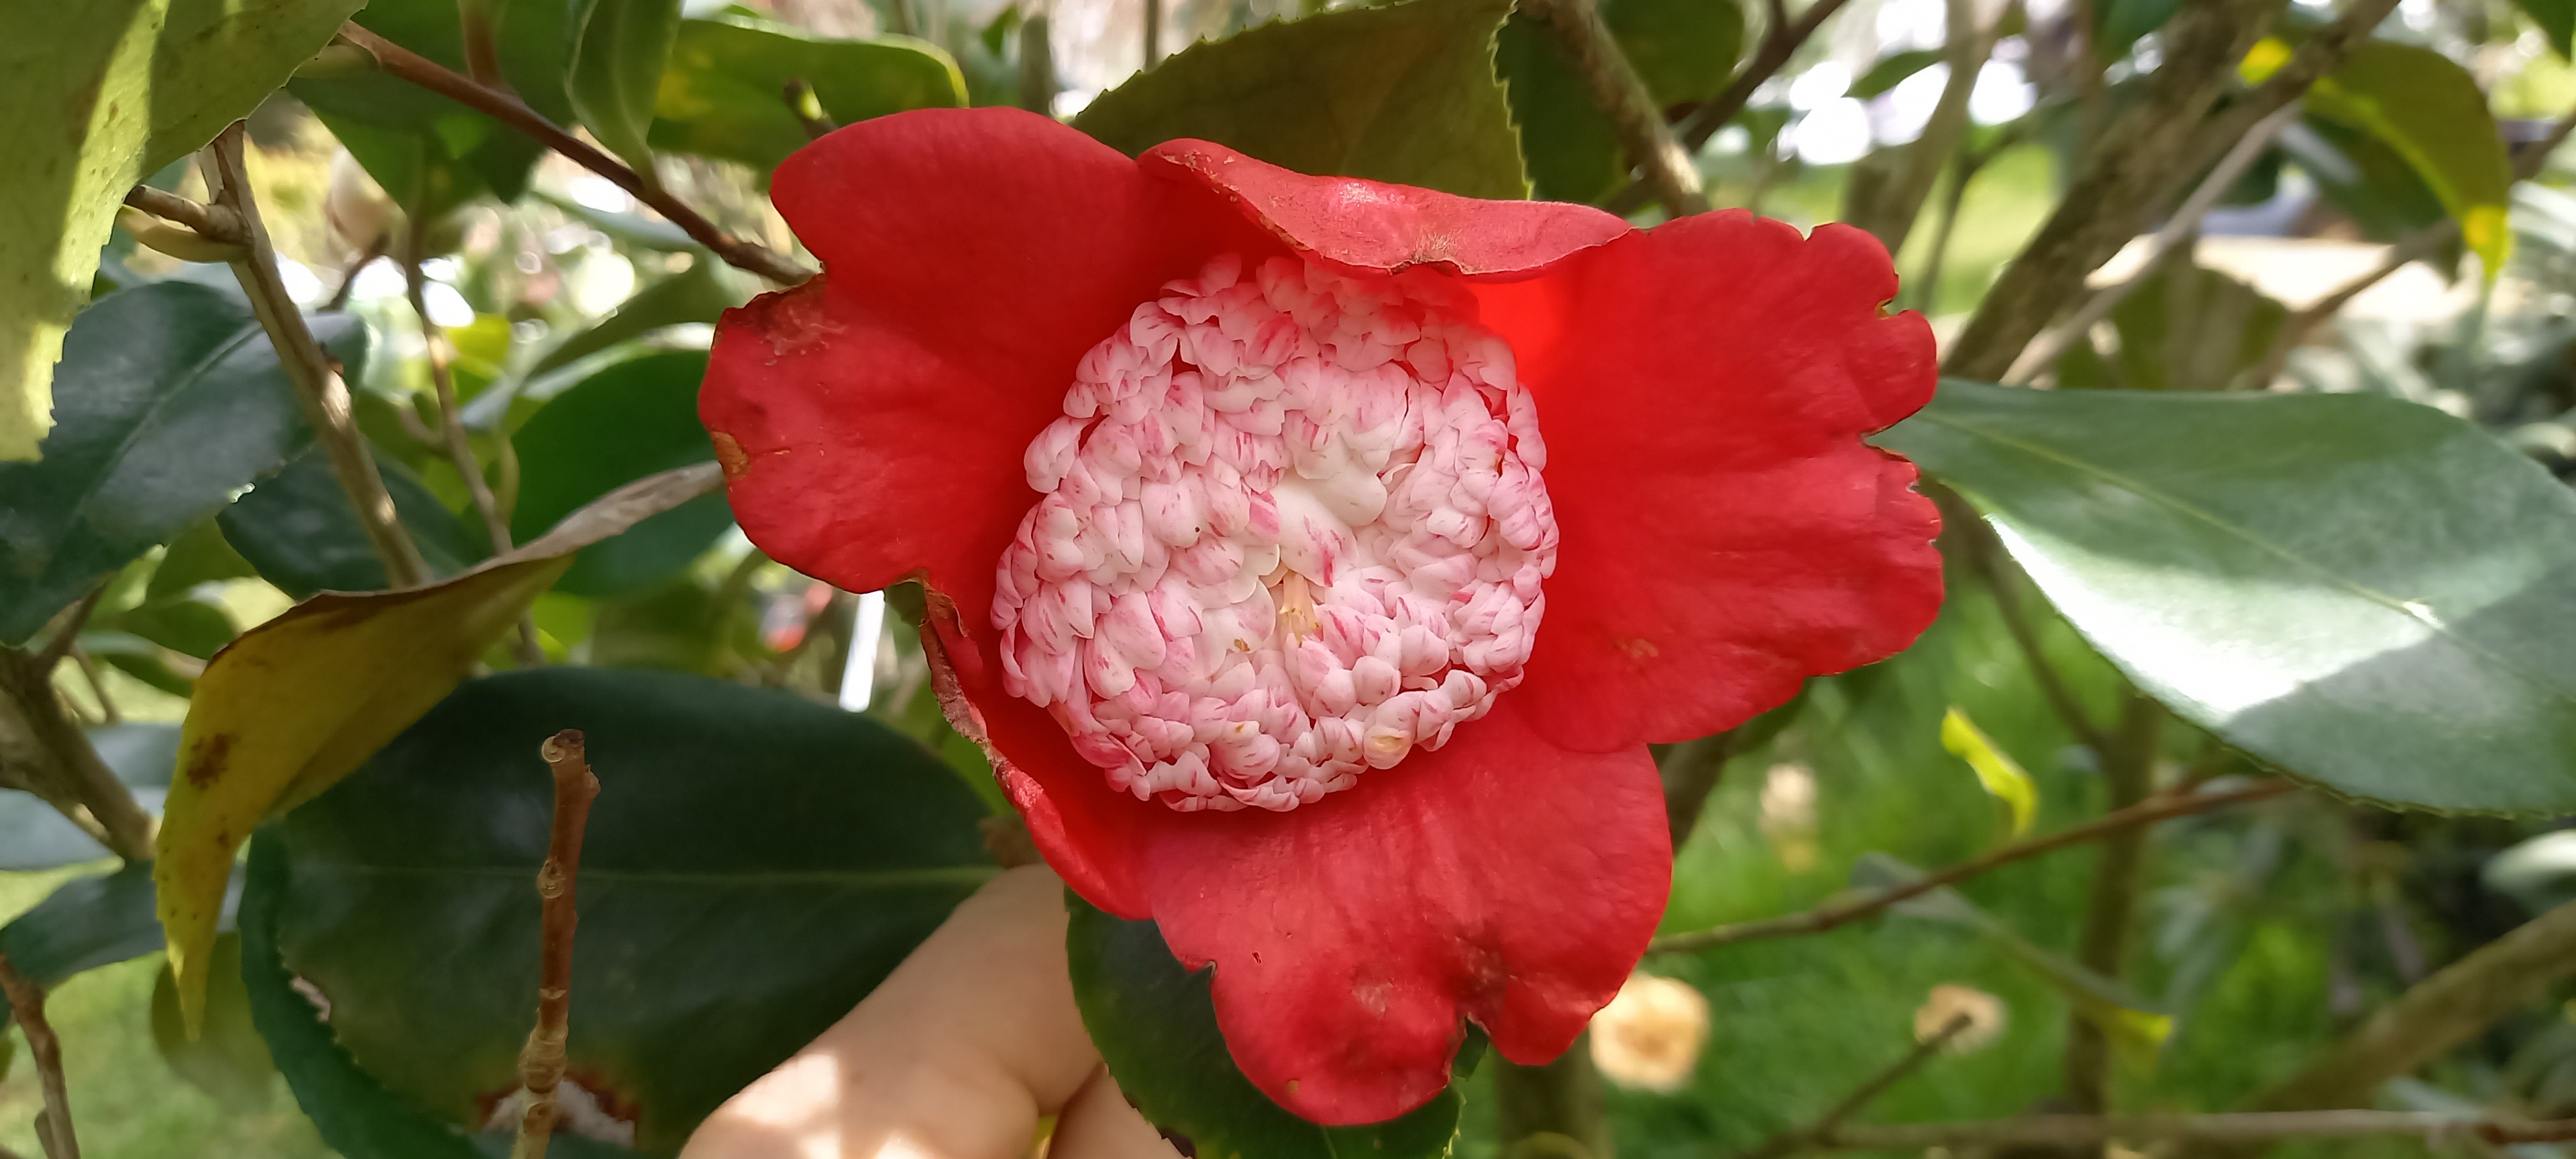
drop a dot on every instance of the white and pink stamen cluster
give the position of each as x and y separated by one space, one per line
1292 529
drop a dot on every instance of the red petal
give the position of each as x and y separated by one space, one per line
1500 878
1373 225
1703 389
872 421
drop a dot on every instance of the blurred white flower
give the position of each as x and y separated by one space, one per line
1985 1013
1650 1036
1789 815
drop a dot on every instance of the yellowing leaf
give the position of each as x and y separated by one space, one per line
295 704
1995 770
2431 111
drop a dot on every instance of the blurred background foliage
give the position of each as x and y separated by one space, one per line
579 322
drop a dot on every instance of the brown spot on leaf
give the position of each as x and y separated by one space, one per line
729 455
207 760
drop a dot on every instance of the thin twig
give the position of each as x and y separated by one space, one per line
27 1003
1153 32
73 620
1791 1142
1779 42
2184 223
2060 1131
2414 247
43 750
1827 917
214 223
309 367
806 107
510 110
451 417
2110 912
541 1062
1660 161
349 277
107 709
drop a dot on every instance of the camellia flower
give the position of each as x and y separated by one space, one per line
1317 557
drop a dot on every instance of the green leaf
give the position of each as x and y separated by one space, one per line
725 92
226 1060
395 128
2363 177
1402 93
2123 21
700 293
188 626
1570 147
172 399
1685 50
34 835
2184 328
2557 19
2371 594
2001 775
125 87
91 922
296 703
617 69
299 530
1156 1029
630 420
354 1113
2432 113
1892 70
725 920
198 556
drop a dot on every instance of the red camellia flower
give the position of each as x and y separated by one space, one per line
1317 557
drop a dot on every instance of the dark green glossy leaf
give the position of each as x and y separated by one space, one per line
2123 21
355 1114
754 864
1685 50
698 294
1156 1030
1570 148
394 128
1403 93
630 420
89 923
1891 70
34 835
2375 596
183 624
2557 20
725 93
226 1058
171 399
298 529
616 69
2363 177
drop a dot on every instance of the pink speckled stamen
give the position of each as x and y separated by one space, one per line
1292 529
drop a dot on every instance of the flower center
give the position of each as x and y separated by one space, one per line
1292 529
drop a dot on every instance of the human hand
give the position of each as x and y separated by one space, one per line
954 1056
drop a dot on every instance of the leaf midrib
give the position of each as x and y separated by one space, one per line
195 373
2395 606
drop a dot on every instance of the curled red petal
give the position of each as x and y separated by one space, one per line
872 421
1703 389
1500 878
1373 225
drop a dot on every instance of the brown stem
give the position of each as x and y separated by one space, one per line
2413 247
1886 192
451 417
349 277
43 751
1555 1108
27 1003
309 367
2125 175
541 1062
482 52
72 620
1793 1141
1780 41
2129 766
1153 32
212 222
107 710
510 110
2065 1131
1827 917
1660 161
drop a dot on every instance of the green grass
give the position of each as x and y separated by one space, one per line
126 1103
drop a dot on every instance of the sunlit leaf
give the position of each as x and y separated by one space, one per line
724 94
2373 595
1996 770
1892 70
1403 93
296 703
107 94
700 293
628 421
415 142
616 70
299 530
